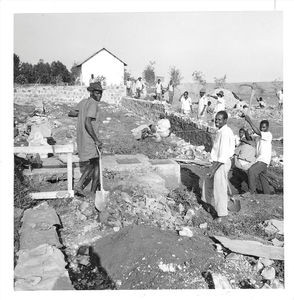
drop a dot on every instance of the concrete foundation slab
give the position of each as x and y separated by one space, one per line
168 169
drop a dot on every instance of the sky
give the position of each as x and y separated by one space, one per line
246 46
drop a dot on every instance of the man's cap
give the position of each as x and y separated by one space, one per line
221 93
95 86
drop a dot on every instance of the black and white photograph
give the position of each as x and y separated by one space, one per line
148 149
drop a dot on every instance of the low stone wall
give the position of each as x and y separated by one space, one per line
189 129
36 94
41 264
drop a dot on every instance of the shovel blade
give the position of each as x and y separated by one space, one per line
101 199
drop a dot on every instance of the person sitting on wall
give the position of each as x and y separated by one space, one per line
261 103
186 103
263 156
244 158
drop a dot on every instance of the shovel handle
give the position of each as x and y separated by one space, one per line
100 167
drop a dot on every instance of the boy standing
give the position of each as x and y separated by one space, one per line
263 156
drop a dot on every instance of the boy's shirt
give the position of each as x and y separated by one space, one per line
264 147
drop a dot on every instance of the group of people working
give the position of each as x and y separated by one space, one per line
205 110
250 160
136 89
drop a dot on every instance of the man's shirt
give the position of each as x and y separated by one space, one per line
186 104
224 145
139 85
158 88
202 102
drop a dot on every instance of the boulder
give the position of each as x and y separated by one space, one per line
268 273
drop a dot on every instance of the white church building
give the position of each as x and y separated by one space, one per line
103 63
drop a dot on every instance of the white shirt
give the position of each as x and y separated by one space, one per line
158 87
224 145
264 147
139 85
171 88
280 95
129 84
202 102
186 104
220 104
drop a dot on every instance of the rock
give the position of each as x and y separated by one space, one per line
219 248
186 232
234 256
277 243
277 284
189 214
167 267
126 197
258 266
220 281
274 226
86 209
268 273
203 226
181 208
266 262
266 286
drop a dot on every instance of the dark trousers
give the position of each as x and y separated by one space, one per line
255 173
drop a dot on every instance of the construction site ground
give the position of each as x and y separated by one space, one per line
135 245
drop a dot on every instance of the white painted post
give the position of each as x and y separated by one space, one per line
69 171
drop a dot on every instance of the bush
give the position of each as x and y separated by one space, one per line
21 79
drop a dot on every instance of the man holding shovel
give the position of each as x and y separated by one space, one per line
89 145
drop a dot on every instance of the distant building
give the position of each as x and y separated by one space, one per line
103 63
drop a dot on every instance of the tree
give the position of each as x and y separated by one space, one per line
27 70
220 82
75 73
42 72
59 73
198 77
21 79
16 66
175 76
149 73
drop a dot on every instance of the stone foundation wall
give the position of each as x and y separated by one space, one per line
189 129
36 94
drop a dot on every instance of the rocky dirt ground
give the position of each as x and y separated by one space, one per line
136 242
